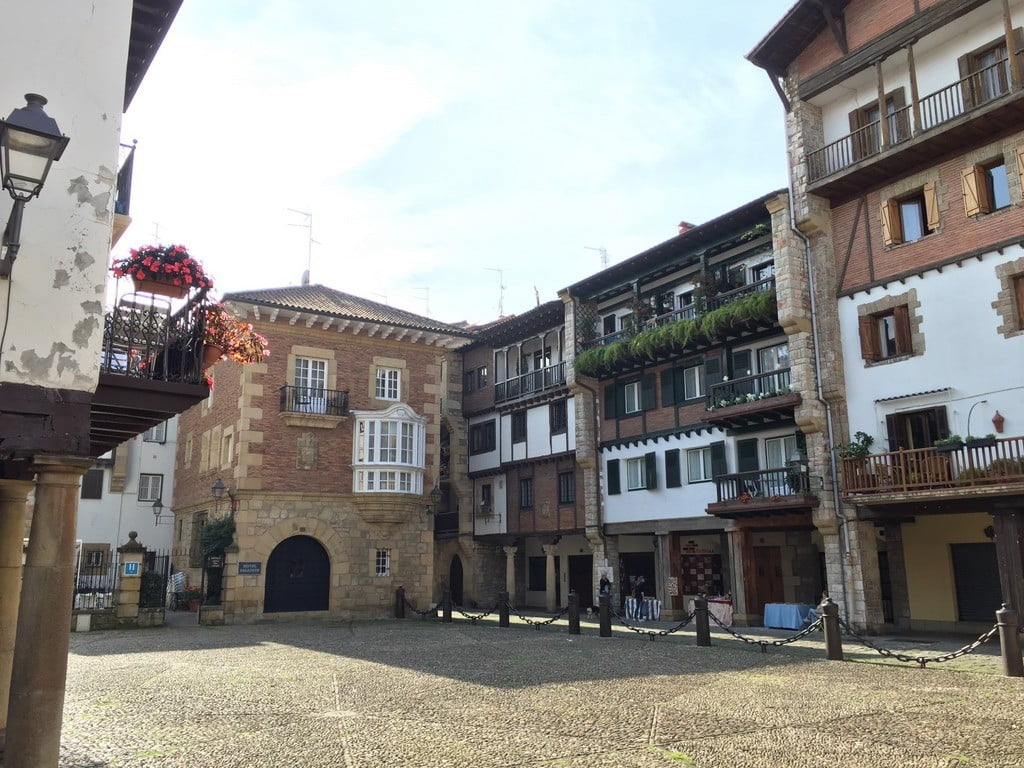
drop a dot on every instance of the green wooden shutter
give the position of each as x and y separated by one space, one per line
680 385
609 401
667 390
614 486
647 392
673 476
712 372
718 463
651 460
620 400
746 455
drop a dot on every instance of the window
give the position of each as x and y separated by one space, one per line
698 465
607 325
486 500
566 487
92 484
916 429
388 384
636 474
481 438
227 445
985 188
559 421
779 451
157 434
631 392
481 377
389 451
541 358
693 382
383 562
686 305
519 427
761 274
866 124
626 398
310 379
774 358
910 218
150 487
525 492
987 73
470 382
885 335
94 558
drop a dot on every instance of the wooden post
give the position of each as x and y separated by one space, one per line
833 639
700 608
400 603
1011 47
574 613
1009 641
605 602
883 121
915 102
446 605
503 609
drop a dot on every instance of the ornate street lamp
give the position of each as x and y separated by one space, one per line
29 143
435 500
158 507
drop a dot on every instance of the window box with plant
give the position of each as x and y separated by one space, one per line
164 270
981 442
948 444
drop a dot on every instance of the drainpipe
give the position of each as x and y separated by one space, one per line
843 521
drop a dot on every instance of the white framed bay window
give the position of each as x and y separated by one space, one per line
389 451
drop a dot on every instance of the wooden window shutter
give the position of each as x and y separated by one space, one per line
647 392
975 191
967 86
609 401
901 316
931 206
897 428
614 486
1020 162
712 372
680 385
892 231
746 455
673 475
1018 289
651 462
870 347
667 388
942 423
718 463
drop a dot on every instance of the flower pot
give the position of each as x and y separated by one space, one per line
160 287
211 354
981 442
948 447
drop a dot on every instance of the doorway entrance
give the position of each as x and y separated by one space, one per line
768 582
298 576
455 580
581 579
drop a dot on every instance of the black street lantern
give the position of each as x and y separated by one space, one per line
158 507
217 490
435 500
29 143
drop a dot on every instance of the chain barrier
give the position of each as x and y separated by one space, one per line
422 614
653 633
475 617
817 624
541 623
922 660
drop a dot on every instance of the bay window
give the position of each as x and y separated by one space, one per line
389 451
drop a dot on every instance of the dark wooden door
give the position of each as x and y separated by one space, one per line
976 574
581 578
768 577
298 576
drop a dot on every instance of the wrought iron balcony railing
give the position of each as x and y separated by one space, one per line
763 484
314 400
750 389
530 383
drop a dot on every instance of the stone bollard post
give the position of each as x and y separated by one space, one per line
503 609
446 605
400 603
605 618
1009 641
833 638
574 613
703 623
129 580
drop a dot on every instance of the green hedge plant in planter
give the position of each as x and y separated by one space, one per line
948 444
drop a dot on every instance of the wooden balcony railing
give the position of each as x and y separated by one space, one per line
935 109
749 389
530 383
313 400
763 484
985 463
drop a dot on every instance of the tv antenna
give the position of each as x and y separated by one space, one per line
501 289
426 299
308 225
604 254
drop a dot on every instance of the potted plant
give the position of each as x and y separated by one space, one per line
164 270
981 442
948 444
226 337
191 596
857 448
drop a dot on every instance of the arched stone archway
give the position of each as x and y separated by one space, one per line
298 576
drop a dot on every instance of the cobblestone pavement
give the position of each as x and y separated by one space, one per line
419 693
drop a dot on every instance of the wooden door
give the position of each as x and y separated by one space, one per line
767 577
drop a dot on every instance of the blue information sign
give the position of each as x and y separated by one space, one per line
250 569
131 569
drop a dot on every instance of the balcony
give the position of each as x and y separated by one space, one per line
761 400
313 406
123 195
983 103
530 384
151 368
763 492
984 467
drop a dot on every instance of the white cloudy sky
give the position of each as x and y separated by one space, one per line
435 142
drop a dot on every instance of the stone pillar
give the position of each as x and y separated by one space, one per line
231 580
864 581
740 561
550 601
13 497
663 571
510 571
129 580
897 576
36 702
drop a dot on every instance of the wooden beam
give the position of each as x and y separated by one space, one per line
295 318
359 327
327 323
837 26
777 85
312 319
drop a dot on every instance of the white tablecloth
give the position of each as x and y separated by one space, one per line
720 609
652 608
788 615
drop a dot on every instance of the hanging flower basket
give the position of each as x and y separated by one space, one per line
160 288
164 270
237 341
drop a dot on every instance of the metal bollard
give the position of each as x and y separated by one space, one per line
833 638
503 609
446 605
1009 641
700 609
574 613
400 603
605 604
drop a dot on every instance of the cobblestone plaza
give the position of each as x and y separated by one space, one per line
420 693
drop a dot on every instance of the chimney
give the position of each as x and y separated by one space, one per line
685 226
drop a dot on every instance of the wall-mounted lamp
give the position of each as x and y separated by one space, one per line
158 507
29 143
435 500
217 490
969 415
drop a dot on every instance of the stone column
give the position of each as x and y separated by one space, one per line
550 601
129 581
510 572
13 497
232 581
41 647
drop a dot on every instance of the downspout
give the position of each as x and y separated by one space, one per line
843 521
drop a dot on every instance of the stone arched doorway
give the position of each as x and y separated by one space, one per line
455 579
298 576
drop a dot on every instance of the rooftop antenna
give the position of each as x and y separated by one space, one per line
308 225
426 299
603 251
382 295
501 289
536 294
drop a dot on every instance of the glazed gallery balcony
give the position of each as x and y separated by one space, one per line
983 103
530 384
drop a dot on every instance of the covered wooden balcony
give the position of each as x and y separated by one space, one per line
763 492
986 102
761 400
530 384
984 466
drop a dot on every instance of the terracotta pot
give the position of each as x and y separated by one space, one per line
211 354
159 287
193 605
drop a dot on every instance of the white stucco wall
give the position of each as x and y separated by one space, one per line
65 237
498 522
